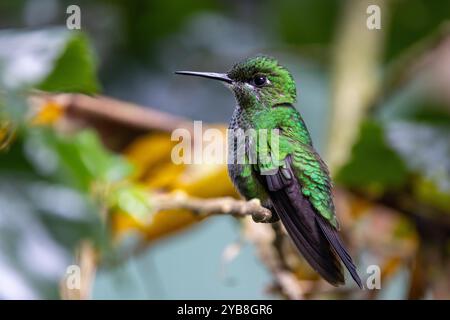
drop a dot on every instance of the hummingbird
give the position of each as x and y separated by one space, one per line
294 183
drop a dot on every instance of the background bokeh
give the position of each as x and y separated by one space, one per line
376 103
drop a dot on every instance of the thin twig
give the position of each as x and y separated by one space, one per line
207 207
86 261
263 237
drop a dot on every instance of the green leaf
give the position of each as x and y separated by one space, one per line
53 59
74 70
97 160
373 163
132 200
82 159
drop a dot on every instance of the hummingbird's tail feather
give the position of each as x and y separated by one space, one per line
298 217
334 239
307 237
314 237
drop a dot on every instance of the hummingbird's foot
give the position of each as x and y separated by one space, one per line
274 218
263 214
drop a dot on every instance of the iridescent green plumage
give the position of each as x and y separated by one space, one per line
289 177
271 108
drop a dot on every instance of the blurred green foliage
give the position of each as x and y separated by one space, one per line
412 20
77 61
145 23
373 163
312 23
46 178
83 160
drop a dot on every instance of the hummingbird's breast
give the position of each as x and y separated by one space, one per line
241 119
241 155
239 124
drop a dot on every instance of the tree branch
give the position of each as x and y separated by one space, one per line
266 239
116 111
208 207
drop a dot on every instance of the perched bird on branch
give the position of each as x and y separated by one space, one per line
277 163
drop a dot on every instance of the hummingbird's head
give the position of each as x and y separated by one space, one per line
255 81
264 79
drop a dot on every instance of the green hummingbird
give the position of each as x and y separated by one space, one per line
290 179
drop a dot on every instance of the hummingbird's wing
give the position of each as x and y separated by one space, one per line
300 193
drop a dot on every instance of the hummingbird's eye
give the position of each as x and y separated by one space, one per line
259 80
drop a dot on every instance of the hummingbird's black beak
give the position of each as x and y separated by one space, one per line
210 75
